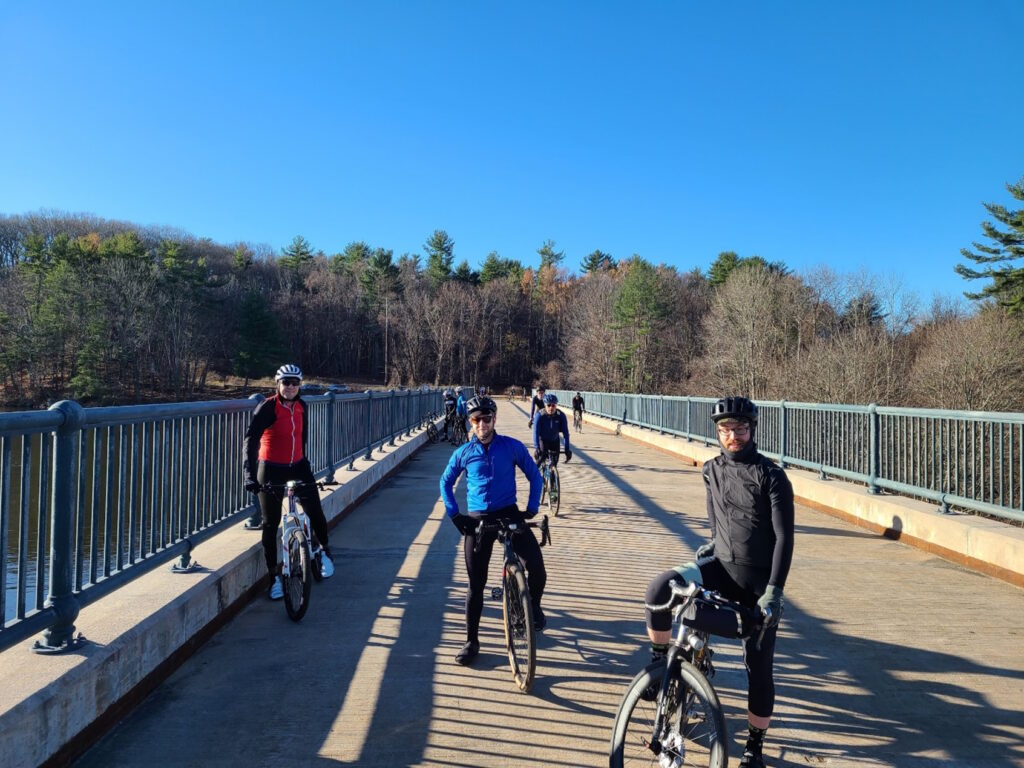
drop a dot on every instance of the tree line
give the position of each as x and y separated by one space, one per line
107 311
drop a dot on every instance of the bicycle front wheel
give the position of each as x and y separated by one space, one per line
554 492
692 728
519 634
299 583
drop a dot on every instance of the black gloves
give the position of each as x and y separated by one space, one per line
538 454
464 523
530 423
252 486
568 455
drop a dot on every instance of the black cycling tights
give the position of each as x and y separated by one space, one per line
742 585
525 545
270 505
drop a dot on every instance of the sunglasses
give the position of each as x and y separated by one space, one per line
290 382
482 419
740 430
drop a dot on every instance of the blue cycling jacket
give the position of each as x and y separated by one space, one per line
460 405
490 476
547 427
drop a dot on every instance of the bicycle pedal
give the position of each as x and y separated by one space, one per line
496 593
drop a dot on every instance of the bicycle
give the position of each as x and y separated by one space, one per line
432 434
516 605
300 558
684 723
459 435
551 493
577 421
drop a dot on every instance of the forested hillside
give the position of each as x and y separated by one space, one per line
107 311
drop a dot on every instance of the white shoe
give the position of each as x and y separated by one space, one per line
326 565
277 589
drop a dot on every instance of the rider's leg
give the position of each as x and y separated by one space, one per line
760 694
270 508
476 569
309 497
552 449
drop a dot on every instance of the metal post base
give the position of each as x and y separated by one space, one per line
72 644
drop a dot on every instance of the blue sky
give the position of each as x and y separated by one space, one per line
859 135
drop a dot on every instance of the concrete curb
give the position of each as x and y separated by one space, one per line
53 707
979 543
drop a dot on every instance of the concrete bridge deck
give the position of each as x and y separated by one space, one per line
888 656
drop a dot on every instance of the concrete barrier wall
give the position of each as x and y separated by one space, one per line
53 707
989 546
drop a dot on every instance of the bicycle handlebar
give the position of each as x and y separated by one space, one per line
511 525
271 487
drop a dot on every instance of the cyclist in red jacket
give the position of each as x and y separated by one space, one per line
274 451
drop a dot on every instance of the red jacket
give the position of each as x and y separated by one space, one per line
276 434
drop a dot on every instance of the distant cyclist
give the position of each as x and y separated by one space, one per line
449 410
460 406
750 511
546 429
577 405
490 464
274 451
537 404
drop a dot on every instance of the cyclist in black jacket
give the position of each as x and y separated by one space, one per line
750 511
537 404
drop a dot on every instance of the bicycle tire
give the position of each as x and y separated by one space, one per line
432 435
556 486
520 637
695 718
316 565
299 584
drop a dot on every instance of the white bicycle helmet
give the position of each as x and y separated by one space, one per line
288 371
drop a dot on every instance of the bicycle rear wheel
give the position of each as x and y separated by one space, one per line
431 432
692 730
299 582
519 634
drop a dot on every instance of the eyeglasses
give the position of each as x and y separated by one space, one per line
740 430
482 419
290 382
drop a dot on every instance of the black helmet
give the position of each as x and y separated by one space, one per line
482 404
734 408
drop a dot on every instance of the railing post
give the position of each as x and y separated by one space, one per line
391 417
369 425
873 438
661 414
60 636
687 418
782 434
332 463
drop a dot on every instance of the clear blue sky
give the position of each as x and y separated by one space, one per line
861 135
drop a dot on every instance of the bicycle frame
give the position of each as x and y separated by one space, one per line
293 517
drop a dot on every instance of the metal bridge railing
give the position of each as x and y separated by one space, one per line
91 498
968 459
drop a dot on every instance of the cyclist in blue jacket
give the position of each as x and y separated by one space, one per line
546 428
460 406
490 464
